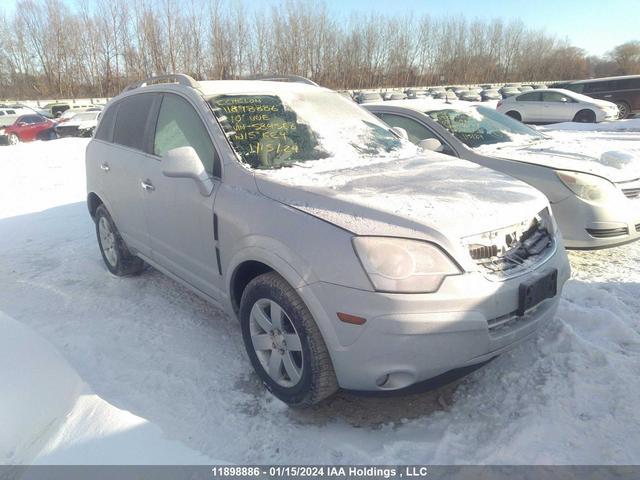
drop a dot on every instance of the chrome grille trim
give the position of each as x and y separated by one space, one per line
630 189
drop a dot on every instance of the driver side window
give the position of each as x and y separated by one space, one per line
555 97
180 126
415 130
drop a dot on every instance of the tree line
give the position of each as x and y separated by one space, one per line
49 50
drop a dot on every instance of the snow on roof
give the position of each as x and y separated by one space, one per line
220 87
423 104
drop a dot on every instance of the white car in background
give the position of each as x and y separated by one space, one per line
81 124
553 105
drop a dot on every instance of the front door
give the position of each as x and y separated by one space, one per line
179 218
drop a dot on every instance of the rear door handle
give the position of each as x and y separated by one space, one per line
147 185
105 167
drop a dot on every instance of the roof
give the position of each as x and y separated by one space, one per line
422 104
220 87
604 79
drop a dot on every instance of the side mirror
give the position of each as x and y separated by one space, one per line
563 99
401 132
431 144
184 162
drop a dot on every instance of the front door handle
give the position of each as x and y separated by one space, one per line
147 185
105 167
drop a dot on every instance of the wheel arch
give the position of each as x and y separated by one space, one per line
93 202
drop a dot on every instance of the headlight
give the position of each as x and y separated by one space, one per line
589 187
403 266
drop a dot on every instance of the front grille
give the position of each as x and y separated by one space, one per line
507 252
608 232
630 189
631 192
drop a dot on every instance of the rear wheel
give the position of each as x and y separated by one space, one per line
515 115
114 252
284 343
585 116
623 110
14 139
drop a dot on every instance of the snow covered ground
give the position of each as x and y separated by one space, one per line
154 355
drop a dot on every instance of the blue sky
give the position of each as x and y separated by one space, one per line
595 25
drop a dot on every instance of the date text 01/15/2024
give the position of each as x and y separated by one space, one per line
317 471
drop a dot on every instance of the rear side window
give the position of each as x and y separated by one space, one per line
131 121
179 125
106 124
629 84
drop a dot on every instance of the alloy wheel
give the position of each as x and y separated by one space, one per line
276 343
107 241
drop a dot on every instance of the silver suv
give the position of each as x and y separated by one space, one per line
351 258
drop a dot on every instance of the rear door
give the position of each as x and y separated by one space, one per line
530 107
181 221
558 107
121 165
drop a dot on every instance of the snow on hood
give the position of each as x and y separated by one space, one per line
617 161
426 196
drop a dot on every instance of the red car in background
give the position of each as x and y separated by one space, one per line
27 128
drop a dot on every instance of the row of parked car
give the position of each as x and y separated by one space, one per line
481 93
19 123
370 249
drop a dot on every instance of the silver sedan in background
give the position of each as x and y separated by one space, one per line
595 199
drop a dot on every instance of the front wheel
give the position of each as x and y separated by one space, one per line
14 139
284 343
114 252
623 110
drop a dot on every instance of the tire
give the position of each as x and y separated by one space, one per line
302 373
624 110
14 139
585 116
515 115
114 252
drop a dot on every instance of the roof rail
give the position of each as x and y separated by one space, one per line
281 78
179 78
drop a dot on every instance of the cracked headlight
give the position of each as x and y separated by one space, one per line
400 265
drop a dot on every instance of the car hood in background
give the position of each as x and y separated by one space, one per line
604 159
421 197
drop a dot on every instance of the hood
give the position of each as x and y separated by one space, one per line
615 161
81 123
422 197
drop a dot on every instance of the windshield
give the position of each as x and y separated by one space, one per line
483 126
85 116
273 131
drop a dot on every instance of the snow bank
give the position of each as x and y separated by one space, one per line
37 390
150 347
49 416
630 125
